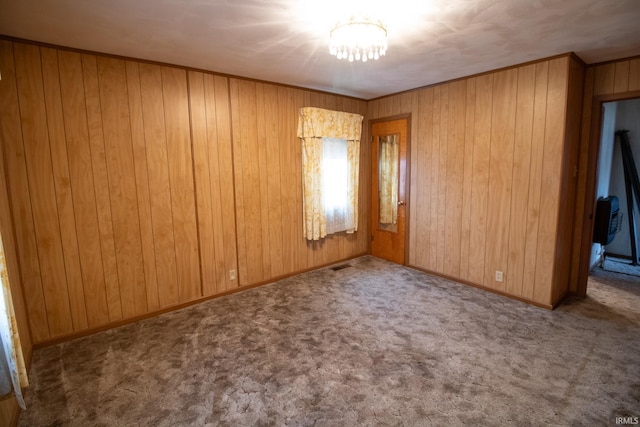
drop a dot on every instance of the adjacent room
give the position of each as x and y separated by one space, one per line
319 213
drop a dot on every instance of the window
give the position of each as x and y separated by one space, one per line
330 159
335 170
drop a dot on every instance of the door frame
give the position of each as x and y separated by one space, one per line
407 225
595 140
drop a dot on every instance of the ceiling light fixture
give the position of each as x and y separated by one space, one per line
358 38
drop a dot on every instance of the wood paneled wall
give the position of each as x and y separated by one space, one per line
268 187
602 82
488 167
9 409
137 187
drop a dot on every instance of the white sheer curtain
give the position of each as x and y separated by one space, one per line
336 169
388 180
13 373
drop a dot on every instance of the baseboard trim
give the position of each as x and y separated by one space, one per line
484 288
113 325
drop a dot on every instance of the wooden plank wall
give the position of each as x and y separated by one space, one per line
267 191
486 175
612 80
9 409
136 187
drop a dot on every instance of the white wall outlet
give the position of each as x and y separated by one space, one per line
233 275
499 276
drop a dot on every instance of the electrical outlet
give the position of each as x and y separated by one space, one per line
499 276
233 275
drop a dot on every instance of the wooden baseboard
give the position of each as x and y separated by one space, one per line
484 288
91 331
9 412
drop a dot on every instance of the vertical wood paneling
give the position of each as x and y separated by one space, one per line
480 177
81 176
225 213
41 188
287 170
520 178
176 110
615 78
265 190
301 259
148 184
500 176
551 178
621 77
421 222
62 184
9 409
17 185
486 193
465 228
202 164
568 184
101 185
434 230
582 204
455 164
159 184
605 79
274 182
114 104
634 74
535 180
142 184
441 194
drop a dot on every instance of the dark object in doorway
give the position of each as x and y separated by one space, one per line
608 220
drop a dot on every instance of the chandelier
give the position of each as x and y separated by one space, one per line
358 38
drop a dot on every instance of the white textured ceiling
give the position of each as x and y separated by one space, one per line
286 41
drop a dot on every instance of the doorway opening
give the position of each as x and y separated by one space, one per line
616 243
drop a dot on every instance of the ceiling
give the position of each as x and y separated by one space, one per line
286 41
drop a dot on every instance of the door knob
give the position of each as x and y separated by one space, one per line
401 203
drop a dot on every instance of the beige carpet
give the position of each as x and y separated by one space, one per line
375 344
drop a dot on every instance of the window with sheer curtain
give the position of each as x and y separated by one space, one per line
330 164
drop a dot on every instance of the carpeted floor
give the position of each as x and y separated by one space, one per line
375 344
619 265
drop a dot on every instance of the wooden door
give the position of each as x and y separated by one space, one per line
389 192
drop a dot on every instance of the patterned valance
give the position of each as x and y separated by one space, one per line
321 123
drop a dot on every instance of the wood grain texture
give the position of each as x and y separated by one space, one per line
500 177
160 194
520 178
551 179
488 170
84 196
101 185
569 182
609 81
268 182
37 152
138 187
176 109
480 178
62 184
11 257
114 105
17 186
535 181
142 184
